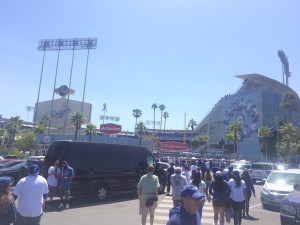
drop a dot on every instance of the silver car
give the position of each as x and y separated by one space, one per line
278 185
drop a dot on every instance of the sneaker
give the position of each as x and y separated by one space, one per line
67 205
61 205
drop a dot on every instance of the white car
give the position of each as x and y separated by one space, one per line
261 170
278 185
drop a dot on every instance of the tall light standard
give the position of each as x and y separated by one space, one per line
277 135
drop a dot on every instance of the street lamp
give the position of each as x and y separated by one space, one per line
277 136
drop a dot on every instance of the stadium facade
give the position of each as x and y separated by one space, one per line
255 104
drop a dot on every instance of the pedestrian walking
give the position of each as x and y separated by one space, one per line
250 189
32 192
54 173
7 203
187 173
178 181
147 191
220 192
170 172
238 196
201 185
67 174
187 213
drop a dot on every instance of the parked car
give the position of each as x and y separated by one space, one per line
101 169
240 166
290 205
278 185
261 170
10 163
19 171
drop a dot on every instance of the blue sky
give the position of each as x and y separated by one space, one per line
180 53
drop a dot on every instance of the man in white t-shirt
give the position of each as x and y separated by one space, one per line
54 173
32 192
178 181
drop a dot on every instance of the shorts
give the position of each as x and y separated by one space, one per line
219 203
143 209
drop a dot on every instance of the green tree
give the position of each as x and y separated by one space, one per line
26 142
77 119
137 113
154 107
166 115
192 123
289 102
40 128
140 128
3 136
265 134
229 137
195 143
289 139
90 130
45 119
236 128
13 126
161 107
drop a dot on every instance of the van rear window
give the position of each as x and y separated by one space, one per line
261 167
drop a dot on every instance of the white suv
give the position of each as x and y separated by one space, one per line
261 170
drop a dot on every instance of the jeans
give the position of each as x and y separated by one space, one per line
237 208
22 220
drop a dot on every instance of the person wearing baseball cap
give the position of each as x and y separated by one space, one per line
7 203
32 192
178 181
187 211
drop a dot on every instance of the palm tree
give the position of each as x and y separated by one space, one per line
195 143
203 141
77 119
265 133
161 107
166 115
140 129
192 123
12 126
104 109
229 137
90 130
289 102
235 127
3 135
154 107
290 136
45 118
137 113
40 128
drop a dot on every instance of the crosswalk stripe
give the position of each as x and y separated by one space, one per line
163 208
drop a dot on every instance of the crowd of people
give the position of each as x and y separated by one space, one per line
193 185
32 192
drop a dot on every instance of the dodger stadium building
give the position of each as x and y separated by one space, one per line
256 103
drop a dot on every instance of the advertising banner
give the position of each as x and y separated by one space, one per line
110 128
173 146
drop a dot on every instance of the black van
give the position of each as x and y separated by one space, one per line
103 168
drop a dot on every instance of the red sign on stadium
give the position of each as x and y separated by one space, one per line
173 146
110 128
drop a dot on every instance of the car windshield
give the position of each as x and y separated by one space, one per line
284 178
240 166
18 165
11 163
261 167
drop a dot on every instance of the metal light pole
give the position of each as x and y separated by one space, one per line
277 136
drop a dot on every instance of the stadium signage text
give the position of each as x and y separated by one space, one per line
173 146
110 128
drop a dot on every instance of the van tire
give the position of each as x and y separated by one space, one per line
102 193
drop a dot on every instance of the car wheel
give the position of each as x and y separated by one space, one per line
102 193
162 186
253 181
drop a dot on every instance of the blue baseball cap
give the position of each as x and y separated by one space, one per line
192 191
33 169
5 181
